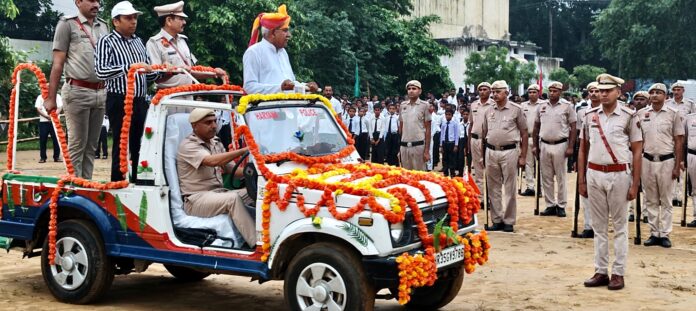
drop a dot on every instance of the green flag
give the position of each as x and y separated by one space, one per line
356 89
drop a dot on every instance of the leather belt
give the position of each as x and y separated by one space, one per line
691 151
607 168
412 143
501 148
554 142
474 136
86 84
658 158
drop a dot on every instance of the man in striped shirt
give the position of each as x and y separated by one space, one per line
115 54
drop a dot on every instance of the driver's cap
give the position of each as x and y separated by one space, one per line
200 113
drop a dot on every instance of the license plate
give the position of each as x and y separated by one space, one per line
449 256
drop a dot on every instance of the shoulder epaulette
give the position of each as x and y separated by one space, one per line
668 108
628 110
67 17
102 20
645 109
595 109
183 37
515 105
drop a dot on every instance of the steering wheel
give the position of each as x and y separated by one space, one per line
236 166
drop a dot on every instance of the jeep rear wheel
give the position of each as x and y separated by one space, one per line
440 294
326 276
82 272
186 274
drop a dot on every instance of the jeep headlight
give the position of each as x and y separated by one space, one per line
397 231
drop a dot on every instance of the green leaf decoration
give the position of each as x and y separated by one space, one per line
10 200
451 234
436 234
355 233
121 213
102 197
143 212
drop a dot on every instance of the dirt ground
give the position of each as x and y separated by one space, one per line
539 267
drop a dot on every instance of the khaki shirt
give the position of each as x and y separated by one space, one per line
529 109
686 106
690 124
413 118
476 116
162 48
621 128
555 120
193 176
503 125
69 38
659 129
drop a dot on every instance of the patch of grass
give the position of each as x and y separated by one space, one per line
34 145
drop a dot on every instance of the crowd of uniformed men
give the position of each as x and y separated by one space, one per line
616 145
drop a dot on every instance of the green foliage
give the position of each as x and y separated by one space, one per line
494 64
327 39
648 39
572 40
8 9
584 74
36 20
562 75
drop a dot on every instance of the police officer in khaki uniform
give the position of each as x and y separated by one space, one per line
593 94
529 107
554 139
690 125
663 134
169 46
612 176
83 93
478 108
641 99
504 127
684 106
414 128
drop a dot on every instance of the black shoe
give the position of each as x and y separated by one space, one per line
549 211
105 157
496 227
631 218
587 234
560 212
666 243
527 193
508 228
652 241
42 161
692 224
645 219
676 202
57 160
96 156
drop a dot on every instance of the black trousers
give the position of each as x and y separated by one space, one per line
392 147
461 156
377 155
449 159
436 149
45 129
102 143
115 112
362 143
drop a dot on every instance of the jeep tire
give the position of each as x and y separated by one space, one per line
328 275
186 274
440 294
82 272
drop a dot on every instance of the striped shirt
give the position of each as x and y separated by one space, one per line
114 56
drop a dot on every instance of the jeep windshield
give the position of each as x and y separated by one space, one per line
307 130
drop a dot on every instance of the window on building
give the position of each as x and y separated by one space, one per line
530 57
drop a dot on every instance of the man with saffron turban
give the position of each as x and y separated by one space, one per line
267 67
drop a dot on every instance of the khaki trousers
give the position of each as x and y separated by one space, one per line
657 185
691 170
477 162
501 174
607 197
412 157
84 114
554 164
224 201
529 173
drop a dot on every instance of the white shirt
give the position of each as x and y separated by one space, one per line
336 104
379 122
39 105
435 122
265 68
394 125
105 122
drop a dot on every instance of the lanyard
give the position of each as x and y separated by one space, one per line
177 51
91 40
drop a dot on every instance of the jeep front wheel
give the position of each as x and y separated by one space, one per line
325 276
440 294
82 272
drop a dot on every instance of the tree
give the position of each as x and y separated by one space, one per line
562 75
648 39
494 64
571 37
584 74
36 21
328 37
8 9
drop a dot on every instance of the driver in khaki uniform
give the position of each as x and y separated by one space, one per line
200 162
